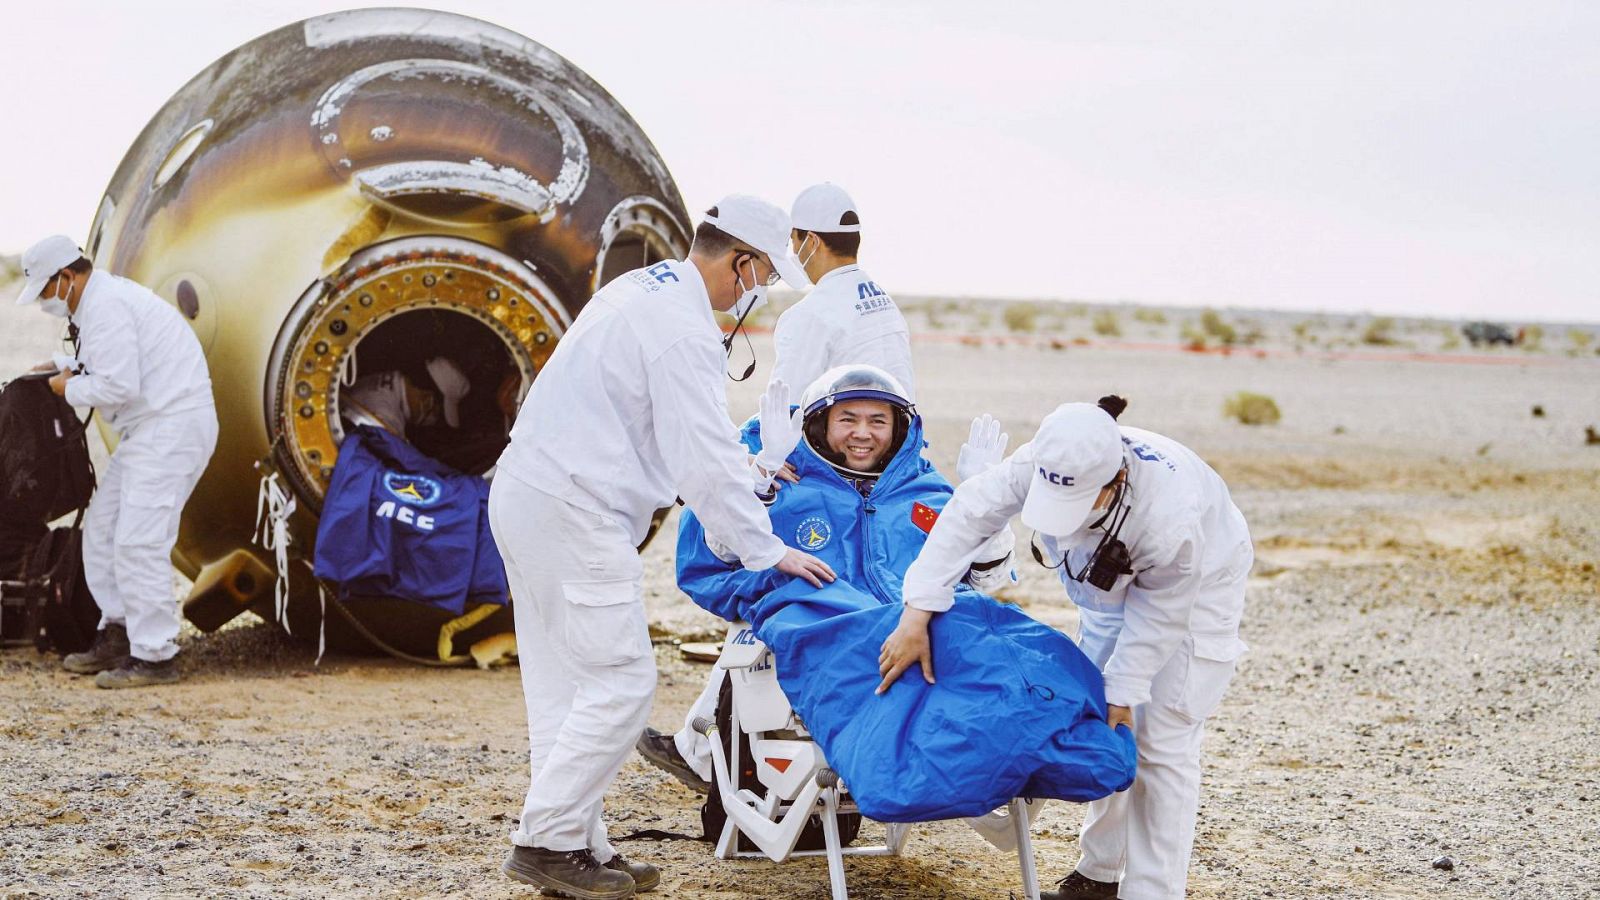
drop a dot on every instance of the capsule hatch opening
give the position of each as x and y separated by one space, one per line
404 344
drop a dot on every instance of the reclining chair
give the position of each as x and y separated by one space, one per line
796 780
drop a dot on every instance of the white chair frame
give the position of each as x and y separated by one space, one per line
805 786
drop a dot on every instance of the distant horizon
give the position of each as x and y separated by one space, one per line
785 295
1419 158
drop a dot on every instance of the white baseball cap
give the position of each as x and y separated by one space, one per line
821 207
1077 451
42 261
762 226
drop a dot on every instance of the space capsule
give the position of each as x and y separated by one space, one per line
362 191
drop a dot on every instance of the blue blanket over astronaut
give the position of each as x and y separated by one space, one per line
1017 710
397 523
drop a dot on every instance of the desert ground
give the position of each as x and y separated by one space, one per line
1424 679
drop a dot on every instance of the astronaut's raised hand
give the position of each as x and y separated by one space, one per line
984 449
767 484
804 565
780 433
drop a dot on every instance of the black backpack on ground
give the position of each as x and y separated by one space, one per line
46 602
45 473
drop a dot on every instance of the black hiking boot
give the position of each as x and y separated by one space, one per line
135 672
645 876
109 650
575 873
1080 887
661 751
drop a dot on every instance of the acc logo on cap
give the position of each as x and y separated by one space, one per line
813 533
1053 478
416 490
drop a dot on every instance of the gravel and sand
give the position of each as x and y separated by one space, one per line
1424 679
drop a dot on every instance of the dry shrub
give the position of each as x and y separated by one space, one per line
1106 324
1150 316
1379 332
1252 409
1022 317
1215 326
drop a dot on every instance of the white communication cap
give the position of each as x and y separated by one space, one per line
762 226
1076 452
821 207
42 261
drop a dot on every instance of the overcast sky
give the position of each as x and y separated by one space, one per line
1405 157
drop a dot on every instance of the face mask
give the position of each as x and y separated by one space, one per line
751 299
806 260
57 305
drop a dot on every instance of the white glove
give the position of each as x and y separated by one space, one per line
780 434
984 449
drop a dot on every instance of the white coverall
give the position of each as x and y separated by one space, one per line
1166 637
846 319
146 377
629 414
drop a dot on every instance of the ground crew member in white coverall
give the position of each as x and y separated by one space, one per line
1155 554
629 413
846 319
140 366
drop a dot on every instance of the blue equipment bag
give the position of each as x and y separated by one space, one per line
397 523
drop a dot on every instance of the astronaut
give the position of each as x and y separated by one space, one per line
861 456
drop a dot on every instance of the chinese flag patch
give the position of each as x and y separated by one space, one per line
924 516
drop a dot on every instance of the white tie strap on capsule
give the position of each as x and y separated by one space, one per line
274 506
347 369
322 620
